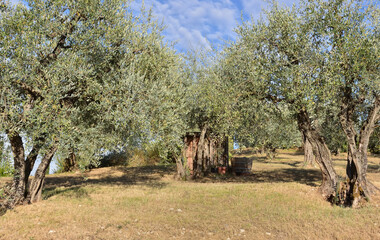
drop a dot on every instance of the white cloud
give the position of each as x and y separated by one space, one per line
196 23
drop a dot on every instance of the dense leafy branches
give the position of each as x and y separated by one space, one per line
320 60
88 74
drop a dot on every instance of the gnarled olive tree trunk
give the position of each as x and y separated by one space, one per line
70 163
200 153
19 186
182 168
35 189
20 192
322 155
357 187
308 151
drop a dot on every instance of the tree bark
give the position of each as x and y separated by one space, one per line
70 162
30 161
226 152
308 152
19 179
181 165
322 155
357 186
23 167
199 171
35 189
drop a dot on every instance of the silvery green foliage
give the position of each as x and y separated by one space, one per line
263 126
290 56
208 101
351 30
88 73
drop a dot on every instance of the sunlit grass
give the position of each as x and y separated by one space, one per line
280 201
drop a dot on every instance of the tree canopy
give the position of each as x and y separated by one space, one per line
318 59
86 73
94 76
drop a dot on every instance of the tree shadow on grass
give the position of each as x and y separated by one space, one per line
373 168
310 177
289 172
299 175
281 160
70 192
72 185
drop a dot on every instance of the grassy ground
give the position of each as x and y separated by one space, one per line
280 201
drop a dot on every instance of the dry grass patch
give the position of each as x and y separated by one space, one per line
279 201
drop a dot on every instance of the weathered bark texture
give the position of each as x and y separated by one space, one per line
200 154
321 153
35 189
357 187
203 153
70 163
182 171
30 161
308 152
18 190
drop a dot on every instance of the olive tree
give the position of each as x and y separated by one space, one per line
311 58
206 111
352 31
80 72
275 60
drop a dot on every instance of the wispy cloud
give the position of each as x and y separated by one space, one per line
202 23
196 23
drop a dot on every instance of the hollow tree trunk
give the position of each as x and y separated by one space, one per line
35 189
322 155
308 152
357 186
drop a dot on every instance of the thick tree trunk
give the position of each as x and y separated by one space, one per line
23 168
357 187
20 179
322 155
212 152
35 189
199 157
181 165
308 152
226 152
70 163
206 156
30 161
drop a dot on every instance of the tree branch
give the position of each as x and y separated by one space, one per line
61 44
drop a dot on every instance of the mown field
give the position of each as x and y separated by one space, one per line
279 201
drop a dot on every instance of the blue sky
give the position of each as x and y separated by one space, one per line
197 24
